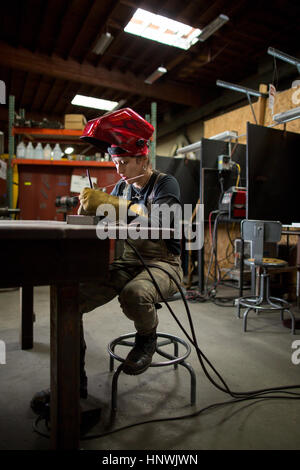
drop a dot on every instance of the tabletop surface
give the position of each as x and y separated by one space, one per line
44 229
52 229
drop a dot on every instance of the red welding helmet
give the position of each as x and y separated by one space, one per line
124 131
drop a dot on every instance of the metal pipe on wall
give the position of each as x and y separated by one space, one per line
153 142
11 149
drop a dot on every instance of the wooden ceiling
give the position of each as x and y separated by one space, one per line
46 54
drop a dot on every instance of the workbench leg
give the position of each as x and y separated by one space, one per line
65 353
298 288
27 317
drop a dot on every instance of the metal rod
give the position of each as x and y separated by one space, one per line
190 148
11 149
284 57
153 142
251 106
89 177
240 88
129 179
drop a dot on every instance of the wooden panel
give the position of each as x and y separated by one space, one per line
225 249
237 120
284 102
233 121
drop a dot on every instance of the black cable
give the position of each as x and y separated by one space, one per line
213 250
159 420
242 396
213 254
210 292
229 237
194 340
221 182
237 396
222 300
227 255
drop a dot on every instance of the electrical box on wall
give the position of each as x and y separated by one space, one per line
224 162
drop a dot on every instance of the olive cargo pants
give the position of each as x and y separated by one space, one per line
132 283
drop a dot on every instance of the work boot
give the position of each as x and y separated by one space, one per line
40 403
140 357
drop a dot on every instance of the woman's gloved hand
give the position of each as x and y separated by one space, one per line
90 199
80 210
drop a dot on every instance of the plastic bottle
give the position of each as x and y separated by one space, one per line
57 153
21 150
38 152
47 152
29 152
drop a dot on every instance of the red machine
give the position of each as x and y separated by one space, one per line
234 202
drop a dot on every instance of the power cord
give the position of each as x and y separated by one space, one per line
210 291
193 339
236 396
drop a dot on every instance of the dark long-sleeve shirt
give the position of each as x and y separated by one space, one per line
164 191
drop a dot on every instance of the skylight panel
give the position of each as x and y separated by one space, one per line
162 29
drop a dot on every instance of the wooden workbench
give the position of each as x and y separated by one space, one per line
52 253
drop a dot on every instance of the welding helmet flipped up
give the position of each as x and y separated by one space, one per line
121 133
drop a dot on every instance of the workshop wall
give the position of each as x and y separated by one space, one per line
167 146
284 101
237 120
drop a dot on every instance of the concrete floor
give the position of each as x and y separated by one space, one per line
248 361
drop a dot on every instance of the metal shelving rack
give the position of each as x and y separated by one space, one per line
51 135
44 135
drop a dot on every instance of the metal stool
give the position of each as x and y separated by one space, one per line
263 301
260 232
172 360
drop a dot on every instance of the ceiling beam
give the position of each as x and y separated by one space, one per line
35 116
54 66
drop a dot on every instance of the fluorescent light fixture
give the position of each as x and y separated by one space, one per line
287 115
162 29
119 105
242 89
212 27
69 150
97 103
190 148
225 135
284 57
102 44
155 75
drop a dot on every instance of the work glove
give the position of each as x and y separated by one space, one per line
81 210
90 199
